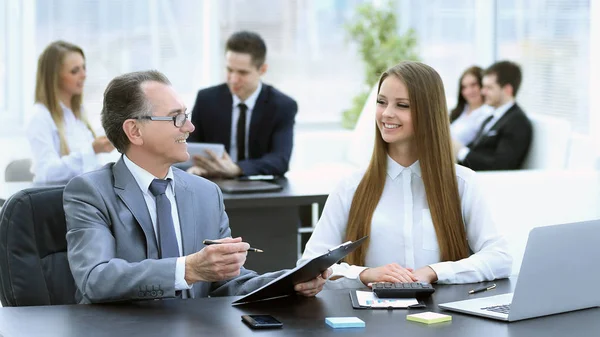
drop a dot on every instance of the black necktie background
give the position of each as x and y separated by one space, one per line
480 132
241 132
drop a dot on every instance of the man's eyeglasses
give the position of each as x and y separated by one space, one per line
178 119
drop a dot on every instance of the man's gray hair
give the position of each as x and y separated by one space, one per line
124 99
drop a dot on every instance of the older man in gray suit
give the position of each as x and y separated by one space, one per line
135 228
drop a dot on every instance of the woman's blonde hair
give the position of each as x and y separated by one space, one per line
432 139
47 88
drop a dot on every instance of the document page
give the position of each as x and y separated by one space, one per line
369 299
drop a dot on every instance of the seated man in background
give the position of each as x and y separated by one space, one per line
135 228
504 137
253 120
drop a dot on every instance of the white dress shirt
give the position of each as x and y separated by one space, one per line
465 127
144 179
42 134
497 114
402 230
250 103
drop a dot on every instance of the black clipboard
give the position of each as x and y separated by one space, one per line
284 284
356 305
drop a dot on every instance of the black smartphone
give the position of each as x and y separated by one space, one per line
261 321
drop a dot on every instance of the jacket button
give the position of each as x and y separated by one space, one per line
160 293
153 293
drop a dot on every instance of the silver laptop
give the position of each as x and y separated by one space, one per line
560 272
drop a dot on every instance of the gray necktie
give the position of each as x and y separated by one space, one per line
166 230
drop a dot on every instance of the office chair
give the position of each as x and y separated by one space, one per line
18 170
34 269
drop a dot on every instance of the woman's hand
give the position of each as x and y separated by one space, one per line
389 273
426 274
102 144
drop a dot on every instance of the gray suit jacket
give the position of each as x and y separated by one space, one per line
112 248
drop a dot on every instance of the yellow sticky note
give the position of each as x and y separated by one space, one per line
429 317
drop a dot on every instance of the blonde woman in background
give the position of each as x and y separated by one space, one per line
425 216
62 142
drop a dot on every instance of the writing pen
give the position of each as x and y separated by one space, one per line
211 242
478 290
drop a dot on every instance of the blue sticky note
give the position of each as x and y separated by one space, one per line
345 322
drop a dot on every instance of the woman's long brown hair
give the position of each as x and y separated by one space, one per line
432 138
47 87
461 101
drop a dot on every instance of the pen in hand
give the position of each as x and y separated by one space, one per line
478 290
211 242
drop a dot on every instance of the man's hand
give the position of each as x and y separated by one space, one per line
426 274
216 167
314 286
197 171
216 262
389 273
102 144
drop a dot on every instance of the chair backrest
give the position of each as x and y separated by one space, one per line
550 144
34 269
582 153
18 170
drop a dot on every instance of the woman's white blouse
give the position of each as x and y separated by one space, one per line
402 230
465 127
48 165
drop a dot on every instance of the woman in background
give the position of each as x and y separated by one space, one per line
424 215
62 142
470 112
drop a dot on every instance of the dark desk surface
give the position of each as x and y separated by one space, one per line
300 316
296 191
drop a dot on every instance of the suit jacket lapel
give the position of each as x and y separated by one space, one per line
257 114
507 115
186 210
224 115
129 192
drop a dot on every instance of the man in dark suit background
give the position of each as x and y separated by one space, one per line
505 136
253 120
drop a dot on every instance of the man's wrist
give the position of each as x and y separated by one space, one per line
236 171
191 276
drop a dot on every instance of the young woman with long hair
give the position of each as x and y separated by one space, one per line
425 216
62 141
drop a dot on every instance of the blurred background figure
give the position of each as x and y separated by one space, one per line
254 120
503 139
63 144
470 111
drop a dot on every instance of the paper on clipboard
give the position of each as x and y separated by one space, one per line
369 299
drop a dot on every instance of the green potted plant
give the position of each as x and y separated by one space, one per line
375 30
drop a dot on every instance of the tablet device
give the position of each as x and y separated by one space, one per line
199 149
284 284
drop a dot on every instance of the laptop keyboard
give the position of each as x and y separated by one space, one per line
502 309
